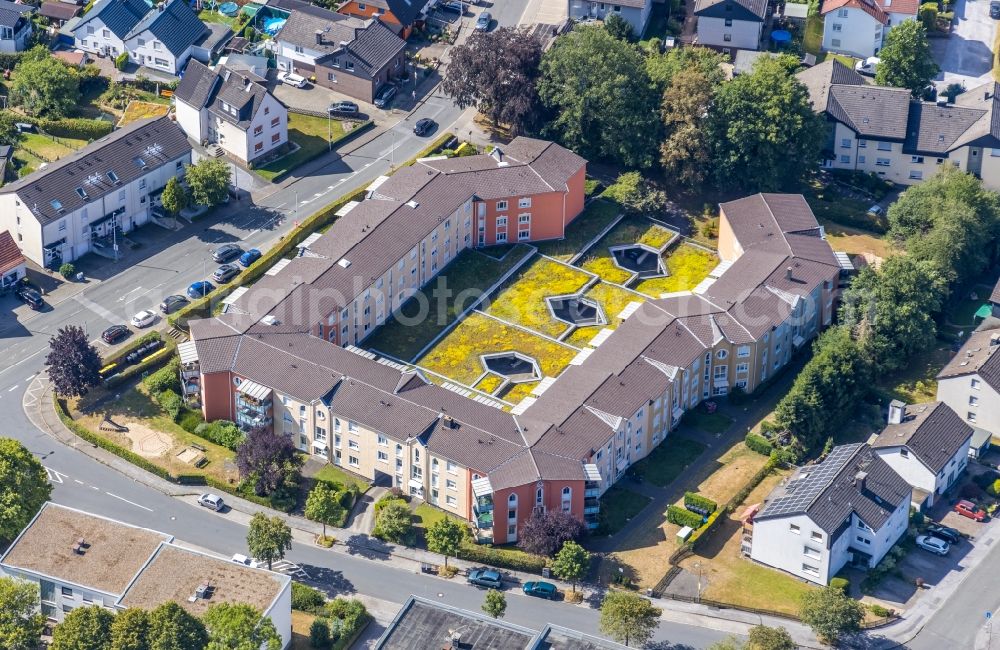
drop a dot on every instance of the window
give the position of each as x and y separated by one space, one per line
885 146
905 453
722 354
861 160
451 467
916 174
352 426
743 367
258 147
512 501
842 13
846 160
257 130
727 37
817 536
451 501
863 540
275 138
809 551
743 351
349 65
524 218
353 461
382 440
792 528
501 237
729 22
298 49
524 202
383 457
975 384
90 30
353 444
501 222
320 435
451 484
523 234
617 8
919 160
837 27
66 591
970 416
810 569
973 400
862 144
882 162
107 34
501 206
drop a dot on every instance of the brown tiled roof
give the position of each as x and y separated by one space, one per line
995 294
10 254
822 76
976 356
932 431
867 6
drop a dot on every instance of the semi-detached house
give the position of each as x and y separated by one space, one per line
15 26
730 25
858 28
635 12
970 382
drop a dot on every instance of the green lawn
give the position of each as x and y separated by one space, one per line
618 505
707 422
333 474
437 305
522 298
613 300
597 215
667 461
425 515
687 266
630 230
812 41
26 163
49 149
211 16
313 135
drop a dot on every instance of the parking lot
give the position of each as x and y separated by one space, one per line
966 57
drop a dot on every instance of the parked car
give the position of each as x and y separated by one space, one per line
867 66
30 296
200 289
946 533
454 6
292 79
249 257
933 544
483 22
486 578
424 126
995 10
540 589
144 318
239 558
115 333
385 96
173 303
225 273
876 210
343 108
970 510
226 253
212 501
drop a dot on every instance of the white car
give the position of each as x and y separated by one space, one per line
292 79
933 544
212 502
867 66
239 558
145 318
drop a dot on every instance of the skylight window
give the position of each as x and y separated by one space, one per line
139 162
113 176
56 205
81 192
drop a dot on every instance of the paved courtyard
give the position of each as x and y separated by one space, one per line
967 56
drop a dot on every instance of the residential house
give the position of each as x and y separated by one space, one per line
104 28
970 382
6 157
12 264
78 559
994 301
858 28
848 509
79 203
635 12
230 108
926 444
729 25
350 55
885 131
59 13
399 15
15 26
165 37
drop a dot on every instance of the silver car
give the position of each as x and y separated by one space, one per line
933 544
483 22
212 501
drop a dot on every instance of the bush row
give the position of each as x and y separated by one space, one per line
79 128
440 143
694 500
684 517
709 525
155 360
166 378
501 557
758 443
221 432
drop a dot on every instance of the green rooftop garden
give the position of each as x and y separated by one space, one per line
522 299
630 230
687 265
613 300
594 218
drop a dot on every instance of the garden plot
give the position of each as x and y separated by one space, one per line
526 299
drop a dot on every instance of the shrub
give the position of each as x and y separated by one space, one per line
284 498
881 612
306 598
190 419
696 502
166 378
67 270
221 432
683 517
758 443
171 403
319 631
76 127
916 517
121 60
994 488
840 583
513 559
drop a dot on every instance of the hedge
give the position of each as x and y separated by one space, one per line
738 498
840 583
501 557
306 598
692 499
758 443
684 517
71 127
155 360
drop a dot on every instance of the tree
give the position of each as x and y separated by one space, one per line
762 132
445 536
831 613
496 72
175 197
545 532
729 643
208 181
268 538
24 487
495 603
891 310
45 87
269 458
130 630
84 628
636 195
685 152
618 27
571 563
627 617
905 59
21 624
762 637
662 67
323 505
73 364
319 633
602 102
171 627
238 626
394 522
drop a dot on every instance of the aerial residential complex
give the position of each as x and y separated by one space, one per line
283 352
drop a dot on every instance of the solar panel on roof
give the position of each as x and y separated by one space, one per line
802 492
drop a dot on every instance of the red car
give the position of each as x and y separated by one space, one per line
970 510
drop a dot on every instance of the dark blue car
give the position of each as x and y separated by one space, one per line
249 257
200 289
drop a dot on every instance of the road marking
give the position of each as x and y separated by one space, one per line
129 293
29 378
12 388
76 480
127 501
54 476
94 487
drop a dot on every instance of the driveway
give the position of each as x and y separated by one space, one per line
966 57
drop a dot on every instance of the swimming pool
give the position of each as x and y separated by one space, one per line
229 8
273 25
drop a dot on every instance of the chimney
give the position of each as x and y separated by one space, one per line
788 273
897 411
319 37
859 480
159 7
994 342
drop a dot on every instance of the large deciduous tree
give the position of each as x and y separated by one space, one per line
323 505
762 130
602 102
21 624
267 457
394 522
44 86
24 487
662 67
84 628
268 538
495 603
628 617
618 27
73 364
545 532
208 181
175 196
238 626
171 627
496 72
445 536
130 630
905 59
831 613
685 151
571 563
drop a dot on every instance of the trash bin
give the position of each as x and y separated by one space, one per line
79 276
546 572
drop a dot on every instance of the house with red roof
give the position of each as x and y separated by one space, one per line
12 267
858 27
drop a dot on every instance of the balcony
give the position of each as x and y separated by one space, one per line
248 403
591 506
483 504
484 520
592 492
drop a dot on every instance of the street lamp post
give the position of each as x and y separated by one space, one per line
697 568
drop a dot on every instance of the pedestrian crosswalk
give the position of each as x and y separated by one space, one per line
288 568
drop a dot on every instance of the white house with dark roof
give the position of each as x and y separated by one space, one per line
858 27
165 37
926 444
15 25
77 204
103 29
635 12
729 25
848 509
232 109
970 382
